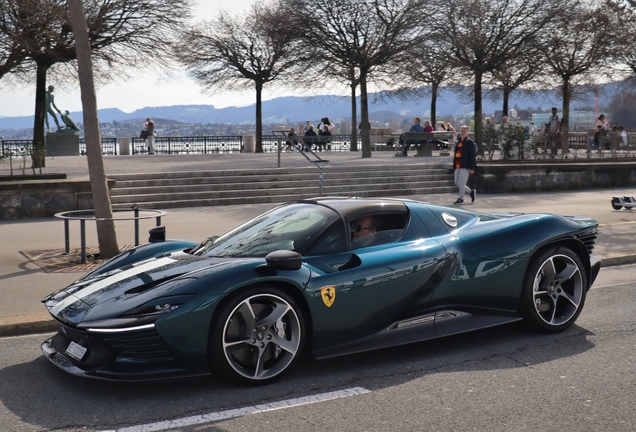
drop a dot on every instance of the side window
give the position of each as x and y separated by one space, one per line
373 230
333 240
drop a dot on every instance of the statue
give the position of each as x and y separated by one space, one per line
68 121
50 104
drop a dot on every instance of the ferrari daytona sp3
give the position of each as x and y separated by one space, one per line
301 279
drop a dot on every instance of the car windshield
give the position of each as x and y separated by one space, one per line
289 227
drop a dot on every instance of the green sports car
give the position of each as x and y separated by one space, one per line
327 277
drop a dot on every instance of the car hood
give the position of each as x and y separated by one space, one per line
74 302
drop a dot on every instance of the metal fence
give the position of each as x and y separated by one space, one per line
234 144
15 148
191 145
109 146
18 148
339 142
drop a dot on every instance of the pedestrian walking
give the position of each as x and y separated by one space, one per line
465 163
150 136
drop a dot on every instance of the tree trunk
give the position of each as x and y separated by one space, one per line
364 114
478 109
106 234
39 153
434 90
354 117
259 118
565 129
506 97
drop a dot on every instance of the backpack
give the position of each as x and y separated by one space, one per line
143 134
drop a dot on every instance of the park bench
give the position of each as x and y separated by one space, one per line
423 141
320 141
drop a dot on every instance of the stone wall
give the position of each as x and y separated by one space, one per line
38 198
536 177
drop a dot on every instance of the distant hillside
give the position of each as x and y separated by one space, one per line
298 109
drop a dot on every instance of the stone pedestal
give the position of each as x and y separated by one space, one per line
62 143
124 146
379 134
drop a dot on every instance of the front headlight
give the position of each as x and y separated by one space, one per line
140 317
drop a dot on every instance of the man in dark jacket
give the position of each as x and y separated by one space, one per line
465 163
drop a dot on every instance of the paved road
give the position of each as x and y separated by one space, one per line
499 379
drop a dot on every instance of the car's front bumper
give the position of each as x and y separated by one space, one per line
133 356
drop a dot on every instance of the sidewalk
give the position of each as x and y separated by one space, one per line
23 284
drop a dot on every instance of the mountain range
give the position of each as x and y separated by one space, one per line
295 109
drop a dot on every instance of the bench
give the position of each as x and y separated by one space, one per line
423 141
320 141
385 142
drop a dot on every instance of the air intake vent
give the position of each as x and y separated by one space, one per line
589 238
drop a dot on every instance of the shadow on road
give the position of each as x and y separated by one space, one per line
44 396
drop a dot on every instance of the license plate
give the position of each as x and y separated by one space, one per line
76 351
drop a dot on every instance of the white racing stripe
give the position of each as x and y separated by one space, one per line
239 412
117 277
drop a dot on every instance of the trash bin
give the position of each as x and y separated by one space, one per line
249 142
124 146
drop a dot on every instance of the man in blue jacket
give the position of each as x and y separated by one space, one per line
416 128
465 163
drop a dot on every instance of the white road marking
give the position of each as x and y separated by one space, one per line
240 412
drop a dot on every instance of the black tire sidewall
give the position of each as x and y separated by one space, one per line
528 310
219 363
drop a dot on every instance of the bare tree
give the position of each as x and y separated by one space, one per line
516 73
579 44
12 55
233 52
364 34
485 34
106 234
121 32
427 63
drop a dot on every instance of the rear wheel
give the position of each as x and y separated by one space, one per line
616 206
554 290
258 335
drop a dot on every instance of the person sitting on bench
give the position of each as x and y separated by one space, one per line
416 128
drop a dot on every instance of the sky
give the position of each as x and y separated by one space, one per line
137 91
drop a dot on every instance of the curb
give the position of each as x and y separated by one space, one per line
27 324
21 325
618 260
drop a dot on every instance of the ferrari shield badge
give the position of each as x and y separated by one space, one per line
328 294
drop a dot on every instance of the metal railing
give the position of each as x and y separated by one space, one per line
18 147
284 138
84 215
339 142
191 145
109 146
15 148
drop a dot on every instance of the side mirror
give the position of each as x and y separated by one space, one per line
284 260
157 234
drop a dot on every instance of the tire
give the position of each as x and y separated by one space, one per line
616 206
258 335
554 290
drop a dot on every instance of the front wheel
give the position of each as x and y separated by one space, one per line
258 335
554 290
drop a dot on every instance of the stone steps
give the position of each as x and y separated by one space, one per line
209 188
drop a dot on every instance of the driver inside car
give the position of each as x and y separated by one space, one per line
362 232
